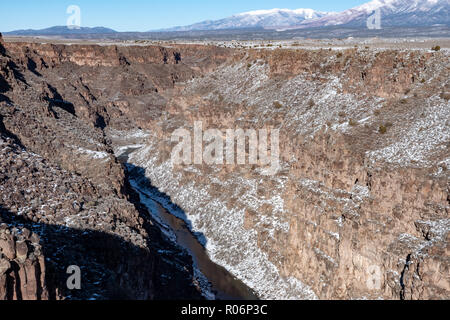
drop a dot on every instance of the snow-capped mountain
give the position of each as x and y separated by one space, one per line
257 19
410 13
392 13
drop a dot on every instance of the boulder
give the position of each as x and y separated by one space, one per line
8 247
2 48
4 266
21 250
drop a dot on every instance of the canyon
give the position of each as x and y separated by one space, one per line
358 210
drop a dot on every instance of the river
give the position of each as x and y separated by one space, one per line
223 284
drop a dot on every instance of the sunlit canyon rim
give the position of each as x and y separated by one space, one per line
358 209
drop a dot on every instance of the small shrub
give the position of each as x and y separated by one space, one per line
352 123
445 95
342 114
436 48
403 101
249 66
277 105
423 81
382 129
311 103
339 55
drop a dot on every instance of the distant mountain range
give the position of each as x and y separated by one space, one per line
405 13
60 30
257 19
394 13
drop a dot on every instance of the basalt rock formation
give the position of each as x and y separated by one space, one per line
358 208
65 199
22 267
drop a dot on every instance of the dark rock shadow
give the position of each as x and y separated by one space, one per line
5 131
224 285
138 174
58 101
100 122
102 258
111 268
4 85
177 57
10 66
32 66
4 98
18 75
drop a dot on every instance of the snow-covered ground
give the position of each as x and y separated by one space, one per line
415 141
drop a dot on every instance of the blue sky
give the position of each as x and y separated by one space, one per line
143 15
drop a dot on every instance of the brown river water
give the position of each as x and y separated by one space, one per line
223 284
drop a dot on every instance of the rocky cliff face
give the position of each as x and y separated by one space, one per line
358 209
22 267
65 200
363 177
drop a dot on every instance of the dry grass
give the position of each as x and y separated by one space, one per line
277 105
436 48
445 96
352 123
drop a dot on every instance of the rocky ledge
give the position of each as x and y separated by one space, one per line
359 208
65 200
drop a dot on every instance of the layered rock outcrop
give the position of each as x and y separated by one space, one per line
358 209
363 177
22 265
65 200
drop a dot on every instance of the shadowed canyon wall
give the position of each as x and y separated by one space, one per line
358 209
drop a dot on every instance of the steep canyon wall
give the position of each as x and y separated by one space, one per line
358 209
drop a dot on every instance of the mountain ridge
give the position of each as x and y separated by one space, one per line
393 13
59 30
256 19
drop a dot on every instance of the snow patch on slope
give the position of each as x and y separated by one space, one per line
229 243
422 138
